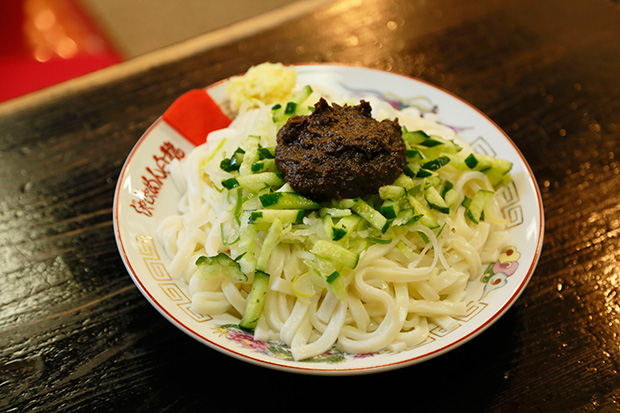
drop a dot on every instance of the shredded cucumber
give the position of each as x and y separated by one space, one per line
266 208
255 301
220 265
475 208
335 253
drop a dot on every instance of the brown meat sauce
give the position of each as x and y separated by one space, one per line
339 152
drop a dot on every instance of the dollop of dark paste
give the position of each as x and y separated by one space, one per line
339 152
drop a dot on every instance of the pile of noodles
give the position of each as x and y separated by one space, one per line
397 293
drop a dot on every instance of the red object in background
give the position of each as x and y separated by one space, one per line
194 114
44 42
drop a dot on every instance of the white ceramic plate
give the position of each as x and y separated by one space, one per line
145 195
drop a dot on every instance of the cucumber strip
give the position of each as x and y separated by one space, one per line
406 251
435 201
228 234
280 114
303 94
328 226
338 233
247 243
411 169
325 275
451 197
480 162
406 182
433 180
238 205
447 185
250 156
439 149
476 206
233 163
497 177
264 165
345 226
406 217
344 203
269 216
423 173
414 137
374 217
392 192
336 284
458 161
424 237
332 277
254 182
436 163
471 161
266 152
269 243
432 141
290 108
377 240
287 200
335 212
255 301
219 265
335 253
321 267
413 155
502 166
390 208
427 219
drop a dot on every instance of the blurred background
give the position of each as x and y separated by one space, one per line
44 42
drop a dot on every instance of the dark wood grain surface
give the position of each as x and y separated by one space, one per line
77 335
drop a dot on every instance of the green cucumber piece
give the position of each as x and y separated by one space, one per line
436 163
427 219
219 265
264 165
392 192
481 163
287 200
435 200
268 216
345 226
254 182
406 182
247 243
335 253
255 301
406 217
414 137
251 155
390 208
281 114
475 209
374 217
233 163
334 212
266 152
269 243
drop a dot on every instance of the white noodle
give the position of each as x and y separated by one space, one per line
393 299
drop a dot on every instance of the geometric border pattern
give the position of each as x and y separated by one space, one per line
512 210
473 308
157 269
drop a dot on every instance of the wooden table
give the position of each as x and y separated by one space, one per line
76 334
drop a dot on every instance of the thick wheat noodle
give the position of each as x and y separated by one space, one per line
392 300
